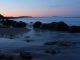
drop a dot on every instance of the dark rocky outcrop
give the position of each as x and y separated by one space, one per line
54 52
26 55
60 43
6 22
12 23
57 26
61 26
37 24
6 57
1 57
51 43
74 29
58 46
47 51
48 26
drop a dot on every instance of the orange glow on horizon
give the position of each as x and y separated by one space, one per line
41 13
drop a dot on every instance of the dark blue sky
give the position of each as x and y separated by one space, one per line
40 7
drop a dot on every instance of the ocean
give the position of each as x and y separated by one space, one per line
69 21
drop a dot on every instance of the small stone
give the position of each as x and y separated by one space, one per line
47 51
26 55
27 36
28 40
53 52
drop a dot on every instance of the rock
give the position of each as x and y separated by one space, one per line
44 26
51 43
26 55
11 23
6 57
47 51
61 26
2 57
74 29
27 37
9 57
55 26
37 24
11 36
65 44
48 26
53 52
28 40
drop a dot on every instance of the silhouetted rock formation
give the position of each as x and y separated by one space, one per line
26 56
56 26
5 22
37 24
61 26
74 29
6 57
45 26
12 23
1 16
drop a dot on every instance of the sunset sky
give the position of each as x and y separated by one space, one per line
40 7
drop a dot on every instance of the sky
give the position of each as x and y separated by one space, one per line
40 8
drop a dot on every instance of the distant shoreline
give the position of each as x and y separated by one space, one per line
39 17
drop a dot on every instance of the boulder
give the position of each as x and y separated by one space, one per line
26 55
61 26
74 29
37 24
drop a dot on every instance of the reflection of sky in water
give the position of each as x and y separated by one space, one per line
47 35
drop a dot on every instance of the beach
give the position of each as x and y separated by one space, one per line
13 41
